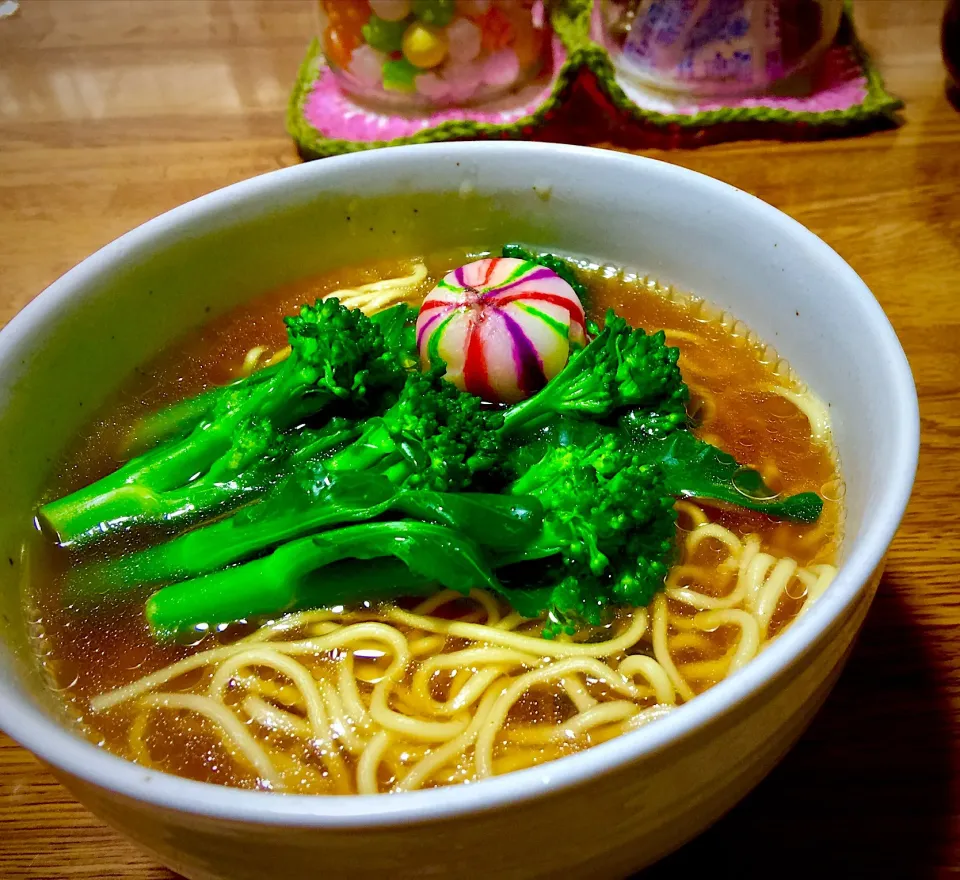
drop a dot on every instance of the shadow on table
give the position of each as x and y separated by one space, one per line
866 790
953 95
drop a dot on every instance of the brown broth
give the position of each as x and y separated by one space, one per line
93 652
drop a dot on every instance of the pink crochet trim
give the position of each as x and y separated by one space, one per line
336 116
837 84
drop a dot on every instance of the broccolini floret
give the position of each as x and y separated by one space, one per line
610 522
609 525
434 437
399 336
621 368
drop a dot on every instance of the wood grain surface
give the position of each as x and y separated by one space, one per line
112 112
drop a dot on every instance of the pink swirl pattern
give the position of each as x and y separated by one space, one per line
504 327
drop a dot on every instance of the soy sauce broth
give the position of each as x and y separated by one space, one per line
88 652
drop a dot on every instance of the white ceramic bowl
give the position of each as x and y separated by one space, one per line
608 810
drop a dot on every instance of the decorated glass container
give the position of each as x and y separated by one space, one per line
716 47
428 54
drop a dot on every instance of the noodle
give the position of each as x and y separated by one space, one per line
341 725
367 726
368 298
559 669
749 642
653 672
661 650
379 295
579 695
532 644
772 589
235 735
270 717
812 407
340 638
370 761
436 759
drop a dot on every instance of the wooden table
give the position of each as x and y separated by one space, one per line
112 112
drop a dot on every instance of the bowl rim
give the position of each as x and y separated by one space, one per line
83 760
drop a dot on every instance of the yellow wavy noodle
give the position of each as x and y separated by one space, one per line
432 716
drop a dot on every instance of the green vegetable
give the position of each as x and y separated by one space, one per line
311 501
435 439
371 481
592 520
338 355
696 469
297 575
397 324
172 421
435 436
621 368
609 522
386 36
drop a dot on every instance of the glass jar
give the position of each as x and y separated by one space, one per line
717 47
427 54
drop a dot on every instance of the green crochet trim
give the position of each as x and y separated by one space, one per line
876 103
571 22
313 145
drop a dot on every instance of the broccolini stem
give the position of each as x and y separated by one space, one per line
179 418
294 510
209 548
131 494
263 588
523 415
132 504
168 423
293 575
368 451
324 442
567 391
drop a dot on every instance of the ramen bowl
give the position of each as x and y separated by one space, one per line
612 808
